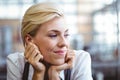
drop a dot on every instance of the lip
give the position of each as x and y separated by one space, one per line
60 52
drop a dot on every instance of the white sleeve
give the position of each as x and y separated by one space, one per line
82 67
13 71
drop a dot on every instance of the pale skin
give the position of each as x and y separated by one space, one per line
51 45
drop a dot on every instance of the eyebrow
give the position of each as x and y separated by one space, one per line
58 30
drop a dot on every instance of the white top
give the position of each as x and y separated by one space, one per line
80 71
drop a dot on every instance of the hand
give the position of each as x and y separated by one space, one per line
33 55
54 71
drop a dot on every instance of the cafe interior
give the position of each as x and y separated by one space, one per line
94 27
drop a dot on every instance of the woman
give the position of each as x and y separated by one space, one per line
45 37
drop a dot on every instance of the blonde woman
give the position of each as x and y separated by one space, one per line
47 55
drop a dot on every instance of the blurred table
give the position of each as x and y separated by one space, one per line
110 69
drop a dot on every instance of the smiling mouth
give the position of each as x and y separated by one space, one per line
60 52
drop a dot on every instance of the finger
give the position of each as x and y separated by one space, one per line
62 67
36 48
34 60
38 57
70 59
32 55
35 54
27 47
28 52
37 51
69 53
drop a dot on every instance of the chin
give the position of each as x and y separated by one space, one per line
58 62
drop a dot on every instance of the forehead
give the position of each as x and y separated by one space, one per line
57 23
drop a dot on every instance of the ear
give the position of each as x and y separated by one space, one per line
28 39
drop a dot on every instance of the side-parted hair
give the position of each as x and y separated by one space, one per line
38 14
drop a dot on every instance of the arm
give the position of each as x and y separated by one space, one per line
53 73
82 68
13 71
38 75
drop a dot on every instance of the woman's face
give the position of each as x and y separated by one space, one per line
52 40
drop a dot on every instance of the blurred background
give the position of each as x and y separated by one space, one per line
94 25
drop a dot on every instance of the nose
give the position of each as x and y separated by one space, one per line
63 42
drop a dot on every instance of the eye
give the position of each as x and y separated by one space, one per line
67 35
53 35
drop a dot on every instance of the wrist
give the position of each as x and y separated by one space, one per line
39 72
38 75
53 74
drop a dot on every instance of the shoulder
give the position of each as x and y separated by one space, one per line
82 66
82 58
16 59
81 54
15 56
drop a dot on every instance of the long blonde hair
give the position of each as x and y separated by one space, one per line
37 15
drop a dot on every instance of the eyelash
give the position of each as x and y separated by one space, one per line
55 35
66 35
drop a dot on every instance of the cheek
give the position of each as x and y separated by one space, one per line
46 51
46 46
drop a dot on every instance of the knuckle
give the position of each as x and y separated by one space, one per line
40 56
26 57
70 66
29 60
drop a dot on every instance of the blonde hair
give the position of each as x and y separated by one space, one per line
37 15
